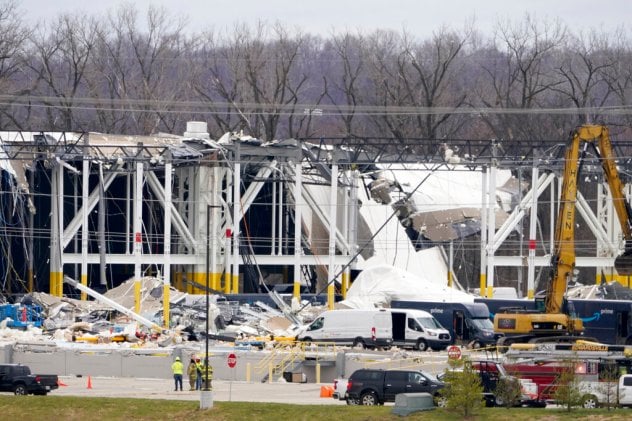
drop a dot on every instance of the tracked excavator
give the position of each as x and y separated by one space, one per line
552 324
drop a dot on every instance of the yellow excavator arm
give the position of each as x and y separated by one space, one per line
553 323
563 261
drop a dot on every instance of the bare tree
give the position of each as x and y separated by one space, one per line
269 78
217 79
383 48
59 60
431 80
346 78
144 68
420 77
520 74
619 75
136 73
309 121
109 82
13 35
583 64
255 76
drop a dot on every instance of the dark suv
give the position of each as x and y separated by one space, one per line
374 387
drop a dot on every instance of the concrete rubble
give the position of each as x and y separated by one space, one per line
68 321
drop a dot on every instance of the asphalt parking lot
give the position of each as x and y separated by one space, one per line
239 391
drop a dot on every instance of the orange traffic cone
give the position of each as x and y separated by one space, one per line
60 383
89 382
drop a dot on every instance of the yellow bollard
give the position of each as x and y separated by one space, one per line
269 372
247 372
317 373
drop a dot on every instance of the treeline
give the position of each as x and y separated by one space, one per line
134 72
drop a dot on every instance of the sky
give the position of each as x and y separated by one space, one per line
323 17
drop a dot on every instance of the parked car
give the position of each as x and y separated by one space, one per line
18 379
374 387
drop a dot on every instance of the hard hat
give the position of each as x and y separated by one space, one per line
177 358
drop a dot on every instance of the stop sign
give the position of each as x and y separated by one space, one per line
232 360
454 352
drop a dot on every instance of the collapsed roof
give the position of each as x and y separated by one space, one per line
377 286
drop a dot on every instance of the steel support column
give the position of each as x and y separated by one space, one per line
237 212
166 271
333 206
298 203
56 268
491 229
85 191
533 220
484 205
138 236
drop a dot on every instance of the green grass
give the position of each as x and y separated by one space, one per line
76 408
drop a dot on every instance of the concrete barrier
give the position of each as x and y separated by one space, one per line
408 403
49 358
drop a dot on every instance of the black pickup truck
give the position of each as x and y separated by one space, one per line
374 387
18 379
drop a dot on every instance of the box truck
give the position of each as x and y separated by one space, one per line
364 328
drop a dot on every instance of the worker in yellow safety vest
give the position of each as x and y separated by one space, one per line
207 373
178 369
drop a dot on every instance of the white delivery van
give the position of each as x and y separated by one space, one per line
366 328
418 329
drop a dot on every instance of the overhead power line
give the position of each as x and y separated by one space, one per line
218 107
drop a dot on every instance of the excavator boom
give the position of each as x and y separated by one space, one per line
553 322
623 262
564 254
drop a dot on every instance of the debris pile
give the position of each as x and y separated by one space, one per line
67 320
605 291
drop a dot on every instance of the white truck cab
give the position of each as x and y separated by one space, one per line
595 394
625 390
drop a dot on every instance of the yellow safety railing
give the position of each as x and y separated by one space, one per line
286 353
267 360
296 354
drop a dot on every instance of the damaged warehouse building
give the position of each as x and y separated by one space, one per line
113 242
